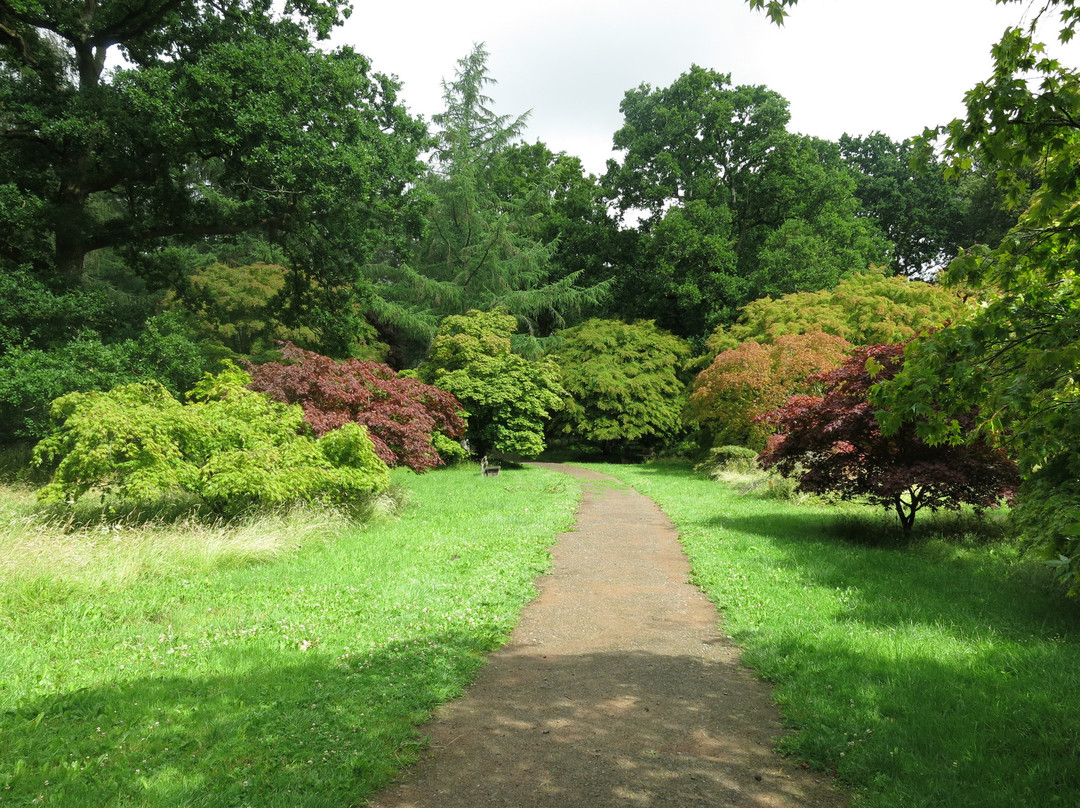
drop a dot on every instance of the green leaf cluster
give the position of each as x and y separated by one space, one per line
735 207
624 385
233 448
220 119
234 305
1017 356
508 399
864 308
30 378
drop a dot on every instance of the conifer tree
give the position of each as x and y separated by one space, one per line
480 249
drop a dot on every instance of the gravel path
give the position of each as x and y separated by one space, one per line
616 689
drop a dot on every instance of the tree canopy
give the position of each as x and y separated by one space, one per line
219 118
749 380
484 244
928 218
734 206
864 308
508 399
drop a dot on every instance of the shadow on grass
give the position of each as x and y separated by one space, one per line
899 581
991 729
317 732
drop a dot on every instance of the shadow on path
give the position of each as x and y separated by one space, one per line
616 689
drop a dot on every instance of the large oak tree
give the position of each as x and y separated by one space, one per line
127 123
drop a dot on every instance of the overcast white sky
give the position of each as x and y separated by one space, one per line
854 66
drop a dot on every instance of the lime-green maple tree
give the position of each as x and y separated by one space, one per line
624 385
507 398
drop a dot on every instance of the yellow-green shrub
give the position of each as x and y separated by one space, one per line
234 448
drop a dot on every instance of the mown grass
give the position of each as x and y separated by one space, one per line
274 663
943 673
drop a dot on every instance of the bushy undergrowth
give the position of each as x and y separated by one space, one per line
233 449
728 458
30 378
279 661
942 672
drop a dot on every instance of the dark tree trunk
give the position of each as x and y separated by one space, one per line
906 512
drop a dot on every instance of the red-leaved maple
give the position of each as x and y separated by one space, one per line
834 443
402 415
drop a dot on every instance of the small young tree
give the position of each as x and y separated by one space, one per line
751 379
410 423
624 384
835 446
507 397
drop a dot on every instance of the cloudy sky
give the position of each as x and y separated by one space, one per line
854 66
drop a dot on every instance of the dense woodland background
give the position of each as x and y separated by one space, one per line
184 182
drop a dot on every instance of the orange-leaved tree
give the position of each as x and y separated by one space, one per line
751 379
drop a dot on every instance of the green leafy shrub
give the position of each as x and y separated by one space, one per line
507 398
233 448
31 378
772 485
624 385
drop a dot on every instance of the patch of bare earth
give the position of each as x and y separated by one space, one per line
616 689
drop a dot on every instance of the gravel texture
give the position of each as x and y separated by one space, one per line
615 689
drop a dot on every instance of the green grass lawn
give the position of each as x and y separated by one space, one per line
283 662
940 674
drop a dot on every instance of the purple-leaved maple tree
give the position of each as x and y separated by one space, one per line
402 415
834 444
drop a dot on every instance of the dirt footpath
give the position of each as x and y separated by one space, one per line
616 689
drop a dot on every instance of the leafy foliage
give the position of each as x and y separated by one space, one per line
927 217
507 398
223 118
403 416
1017 357
34 314
234 305
744 210
727 458
836 446
30 378
233 448
623 382
747 381
864 308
